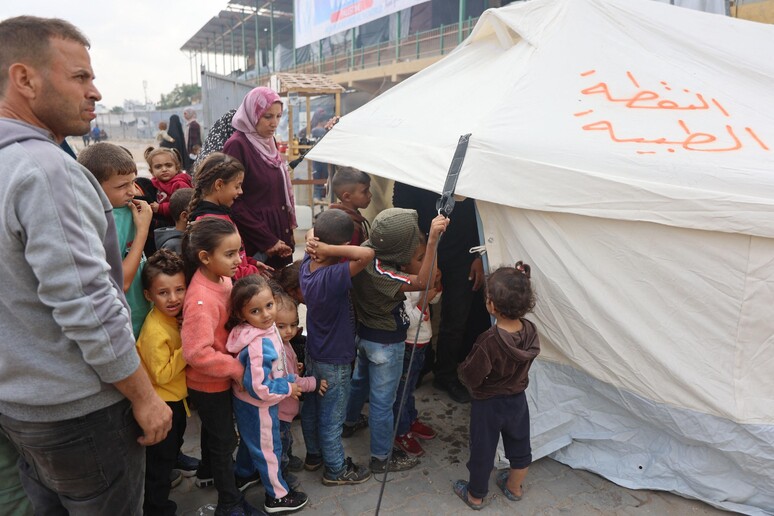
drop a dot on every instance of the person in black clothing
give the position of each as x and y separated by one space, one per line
463 314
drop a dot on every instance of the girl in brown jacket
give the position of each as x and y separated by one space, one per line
496 373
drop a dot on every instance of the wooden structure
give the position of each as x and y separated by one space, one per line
305 86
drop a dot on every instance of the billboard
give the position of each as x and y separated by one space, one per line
318 19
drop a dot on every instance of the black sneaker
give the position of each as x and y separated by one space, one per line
291 480
175 477
204 479
352 474
296 464
292 501
349 430
456 391
187 465
400 461
243 483
241 509
313 462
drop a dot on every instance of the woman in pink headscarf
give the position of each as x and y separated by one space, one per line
264 213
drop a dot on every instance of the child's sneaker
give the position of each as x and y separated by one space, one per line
349 430
295 464
291 480
399 461
175 477
313 462
422 431
352 474
292 501
203 478
187 465
408 444
243 483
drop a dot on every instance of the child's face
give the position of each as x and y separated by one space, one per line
224 259
167 293
225 193
260 311
415 264
287 323
120 189
164 167
360 197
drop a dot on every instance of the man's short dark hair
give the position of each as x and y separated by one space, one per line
26 39
105 160
178 202
346 178
334 227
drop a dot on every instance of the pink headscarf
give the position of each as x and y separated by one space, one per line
254 105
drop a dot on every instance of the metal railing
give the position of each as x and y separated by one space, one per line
345 58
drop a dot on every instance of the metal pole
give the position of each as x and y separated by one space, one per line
244 45
293 32
223 48
397 37
461 19
257 69
190 65
352 49
271 38
233 65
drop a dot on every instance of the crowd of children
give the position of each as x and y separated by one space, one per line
214 332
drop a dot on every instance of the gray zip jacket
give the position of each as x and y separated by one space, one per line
65 334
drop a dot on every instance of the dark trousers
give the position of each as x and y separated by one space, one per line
507 416
463 319
89 465
217 415
408 382
160 461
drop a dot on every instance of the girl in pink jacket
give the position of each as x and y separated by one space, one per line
267 381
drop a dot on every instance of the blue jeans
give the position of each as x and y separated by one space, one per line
408 382
90 465
378 370
260 434
323 416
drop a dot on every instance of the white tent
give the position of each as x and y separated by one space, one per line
624 148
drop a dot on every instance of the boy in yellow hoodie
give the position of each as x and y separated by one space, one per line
160 349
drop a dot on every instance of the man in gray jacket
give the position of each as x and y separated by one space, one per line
74 400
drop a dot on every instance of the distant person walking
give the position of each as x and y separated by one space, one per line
194 131
175 131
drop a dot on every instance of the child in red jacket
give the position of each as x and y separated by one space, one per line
168 177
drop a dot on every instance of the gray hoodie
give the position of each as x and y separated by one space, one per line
65 334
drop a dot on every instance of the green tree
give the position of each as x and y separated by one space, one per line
117 110
181 95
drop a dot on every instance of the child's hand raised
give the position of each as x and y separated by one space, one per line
317 250
295 391
142 214
323 387
437 226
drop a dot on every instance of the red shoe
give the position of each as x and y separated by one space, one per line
408 444
421 430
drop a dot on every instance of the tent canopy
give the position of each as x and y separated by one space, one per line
624 148
616 109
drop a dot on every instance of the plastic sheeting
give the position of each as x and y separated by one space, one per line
624 149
